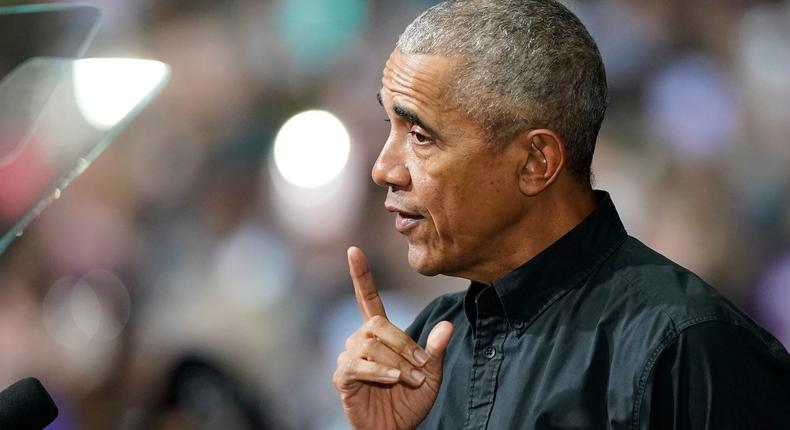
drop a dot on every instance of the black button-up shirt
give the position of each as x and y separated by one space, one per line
599 331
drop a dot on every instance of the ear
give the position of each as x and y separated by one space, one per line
544 159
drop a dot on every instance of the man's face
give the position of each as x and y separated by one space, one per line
456 199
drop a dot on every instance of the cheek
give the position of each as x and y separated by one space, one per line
470 211
463 195
453 206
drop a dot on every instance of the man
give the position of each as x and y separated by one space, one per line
568 322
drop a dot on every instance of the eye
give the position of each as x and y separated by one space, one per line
419 138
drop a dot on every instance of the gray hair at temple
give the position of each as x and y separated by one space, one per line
522 64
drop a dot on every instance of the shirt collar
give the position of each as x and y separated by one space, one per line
525 292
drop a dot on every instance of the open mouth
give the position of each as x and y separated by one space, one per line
405 221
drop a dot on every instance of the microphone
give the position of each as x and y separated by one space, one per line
26 405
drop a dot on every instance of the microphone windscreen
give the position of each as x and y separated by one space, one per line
26 405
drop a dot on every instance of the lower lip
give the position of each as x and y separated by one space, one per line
404 224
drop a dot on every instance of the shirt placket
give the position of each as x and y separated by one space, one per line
489 338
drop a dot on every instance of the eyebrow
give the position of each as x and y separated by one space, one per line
408 115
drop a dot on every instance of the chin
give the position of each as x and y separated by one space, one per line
420 261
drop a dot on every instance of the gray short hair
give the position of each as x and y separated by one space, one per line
522 64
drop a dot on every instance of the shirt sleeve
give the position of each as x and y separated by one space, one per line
720 376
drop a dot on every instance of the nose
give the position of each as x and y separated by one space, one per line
390 169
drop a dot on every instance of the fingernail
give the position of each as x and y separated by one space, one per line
393 373
417 375
420 356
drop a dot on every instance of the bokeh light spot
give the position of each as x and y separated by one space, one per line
94 308
107 89
311 149
316 30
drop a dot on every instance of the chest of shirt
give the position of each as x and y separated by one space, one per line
556 373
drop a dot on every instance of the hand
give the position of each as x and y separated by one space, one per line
385 380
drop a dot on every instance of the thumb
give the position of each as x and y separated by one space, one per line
437 343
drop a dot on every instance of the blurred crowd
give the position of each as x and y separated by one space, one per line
175 285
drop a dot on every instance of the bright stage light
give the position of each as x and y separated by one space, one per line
107 89
317 182
311 149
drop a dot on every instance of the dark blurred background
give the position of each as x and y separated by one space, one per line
192 279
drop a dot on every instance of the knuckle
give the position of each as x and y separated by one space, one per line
341 375
376 322
353 340
349 367
370 295
368 346
337 379
350 342
402 345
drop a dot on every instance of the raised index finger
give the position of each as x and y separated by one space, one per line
364 288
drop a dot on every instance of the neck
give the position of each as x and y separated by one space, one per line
549 216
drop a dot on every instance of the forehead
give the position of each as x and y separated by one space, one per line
423 78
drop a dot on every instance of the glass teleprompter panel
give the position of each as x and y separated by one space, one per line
56 116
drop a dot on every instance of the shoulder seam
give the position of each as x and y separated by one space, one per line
670 338
648 369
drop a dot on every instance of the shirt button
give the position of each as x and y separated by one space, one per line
489 352
518 325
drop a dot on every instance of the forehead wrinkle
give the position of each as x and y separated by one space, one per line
405 87
411 78
408 75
